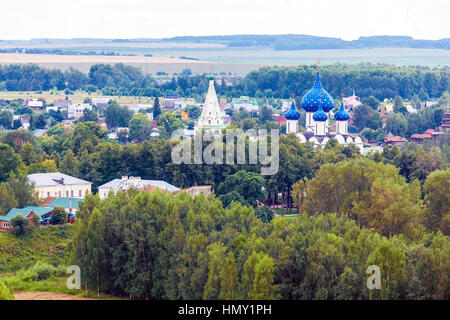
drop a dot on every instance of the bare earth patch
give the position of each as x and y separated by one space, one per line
47 296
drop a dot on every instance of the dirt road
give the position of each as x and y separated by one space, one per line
46 296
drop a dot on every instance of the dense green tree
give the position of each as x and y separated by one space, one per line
366 117
20 225
59 216
24 192
396 124
139 127
69 164
371 101
156 109
437 199
170 122
399 106
6 119
7 198
117 116
368 196
248 185
9 161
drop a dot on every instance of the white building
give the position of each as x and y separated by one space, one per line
352 102
101 102
35 104
126 183
211 118
56 184
318 103
76 110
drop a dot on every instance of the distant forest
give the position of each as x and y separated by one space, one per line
380 81
306 42
277 42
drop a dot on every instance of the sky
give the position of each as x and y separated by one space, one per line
346 19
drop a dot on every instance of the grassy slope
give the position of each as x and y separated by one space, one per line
46 245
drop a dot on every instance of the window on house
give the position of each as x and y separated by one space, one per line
59 194
71 193
48 194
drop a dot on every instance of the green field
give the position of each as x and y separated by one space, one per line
46 245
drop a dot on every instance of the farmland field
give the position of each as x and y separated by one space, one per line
237 61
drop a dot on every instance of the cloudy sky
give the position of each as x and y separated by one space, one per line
346 19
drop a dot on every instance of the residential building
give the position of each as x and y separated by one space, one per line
71 205
76 110
126 183
101 102
34 104
62 103
56 184
390 139
27 212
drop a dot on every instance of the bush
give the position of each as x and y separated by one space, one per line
59 216
41 271
20 225
264 213
5 292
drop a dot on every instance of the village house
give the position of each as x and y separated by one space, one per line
27 212
71 205
34 104
390 139
62 103
56 184
126 183
76 110
101 102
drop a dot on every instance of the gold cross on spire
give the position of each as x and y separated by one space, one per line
342 96
293 95
318 65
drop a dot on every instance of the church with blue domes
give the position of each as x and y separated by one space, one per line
318 104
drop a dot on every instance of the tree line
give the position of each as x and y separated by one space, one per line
378 80
158 246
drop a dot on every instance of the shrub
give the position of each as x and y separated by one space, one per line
20 225
59 216
264 213
5 292
41 271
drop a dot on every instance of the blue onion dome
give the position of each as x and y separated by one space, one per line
316 96
211 77
342 115
292 113
319 115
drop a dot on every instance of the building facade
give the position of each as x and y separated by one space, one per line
56 184
126 183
